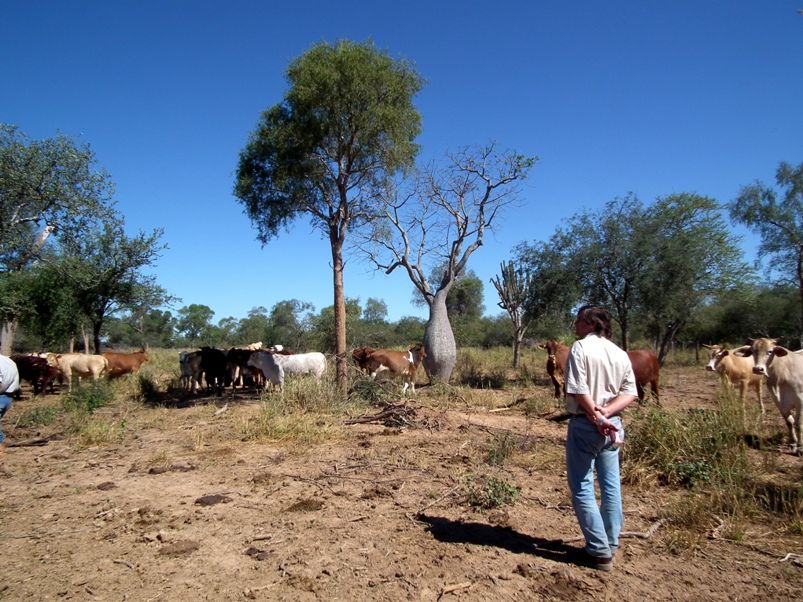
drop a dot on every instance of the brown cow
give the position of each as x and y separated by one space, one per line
646 370
120 364
398 363
37 371
557 356
360 357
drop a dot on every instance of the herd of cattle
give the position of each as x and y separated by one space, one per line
760 361
43 370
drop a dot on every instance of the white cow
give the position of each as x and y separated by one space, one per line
735 371
265 362
274 366
81 364
784 372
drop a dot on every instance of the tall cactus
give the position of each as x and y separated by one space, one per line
512 287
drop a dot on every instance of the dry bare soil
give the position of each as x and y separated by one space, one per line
179 507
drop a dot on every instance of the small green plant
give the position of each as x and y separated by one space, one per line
504 444
89 397
41 416
486 493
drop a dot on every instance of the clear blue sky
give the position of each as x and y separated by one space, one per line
699 96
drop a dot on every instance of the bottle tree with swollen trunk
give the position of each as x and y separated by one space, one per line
441 216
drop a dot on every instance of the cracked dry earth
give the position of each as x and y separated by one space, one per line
182 509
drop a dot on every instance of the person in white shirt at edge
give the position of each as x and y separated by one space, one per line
599 385
9 383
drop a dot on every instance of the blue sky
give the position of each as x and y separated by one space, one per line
653 98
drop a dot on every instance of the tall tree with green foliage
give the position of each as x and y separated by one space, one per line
48 187
440 219
345 126
692 257
777 216
194 323
609 251
105 270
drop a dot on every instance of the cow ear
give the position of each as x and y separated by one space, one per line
745 351
779 351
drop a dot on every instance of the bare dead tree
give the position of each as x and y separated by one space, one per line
440 218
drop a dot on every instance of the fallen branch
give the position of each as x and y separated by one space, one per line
454 588
392 415
124 563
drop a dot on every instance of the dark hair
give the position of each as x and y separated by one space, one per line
599 316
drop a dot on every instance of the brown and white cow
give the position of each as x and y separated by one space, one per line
735 371
784 371
646 369
81 364
557 356
120 364
360 357
397 363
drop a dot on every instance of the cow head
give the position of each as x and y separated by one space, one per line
763 352
717 353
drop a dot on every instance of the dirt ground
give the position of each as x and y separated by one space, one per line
180 509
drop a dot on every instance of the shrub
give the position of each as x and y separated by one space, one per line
486 493
89 397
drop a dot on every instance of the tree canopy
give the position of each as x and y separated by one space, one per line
346 124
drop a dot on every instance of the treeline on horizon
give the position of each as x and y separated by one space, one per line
754 310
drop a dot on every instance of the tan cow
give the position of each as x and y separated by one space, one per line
81 364
735 371
398 363
784 372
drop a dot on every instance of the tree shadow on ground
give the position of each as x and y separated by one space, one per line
450 531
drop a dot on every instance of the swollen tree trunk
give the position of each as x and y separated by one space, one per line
439 341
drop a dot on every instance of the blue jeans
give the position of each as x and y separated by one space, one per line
5 403
586 450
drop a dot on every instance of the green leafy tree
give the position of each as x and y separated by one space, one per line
554 288
692 256
290 324
255 327
375 311
346 124
609 252
777 216
47 187
105 269
194 323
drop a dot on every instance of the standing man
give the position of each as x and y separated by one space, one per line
9 383
599 385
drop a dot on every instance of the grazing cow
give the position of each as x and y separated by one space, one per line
120 364
190 365
272 371
360 357
398 363
735 371
646 370
557 356
784 372
236 363
81 364
213 365
37 371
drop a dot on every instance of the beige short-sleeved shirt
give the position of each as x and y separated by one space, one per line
599 368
